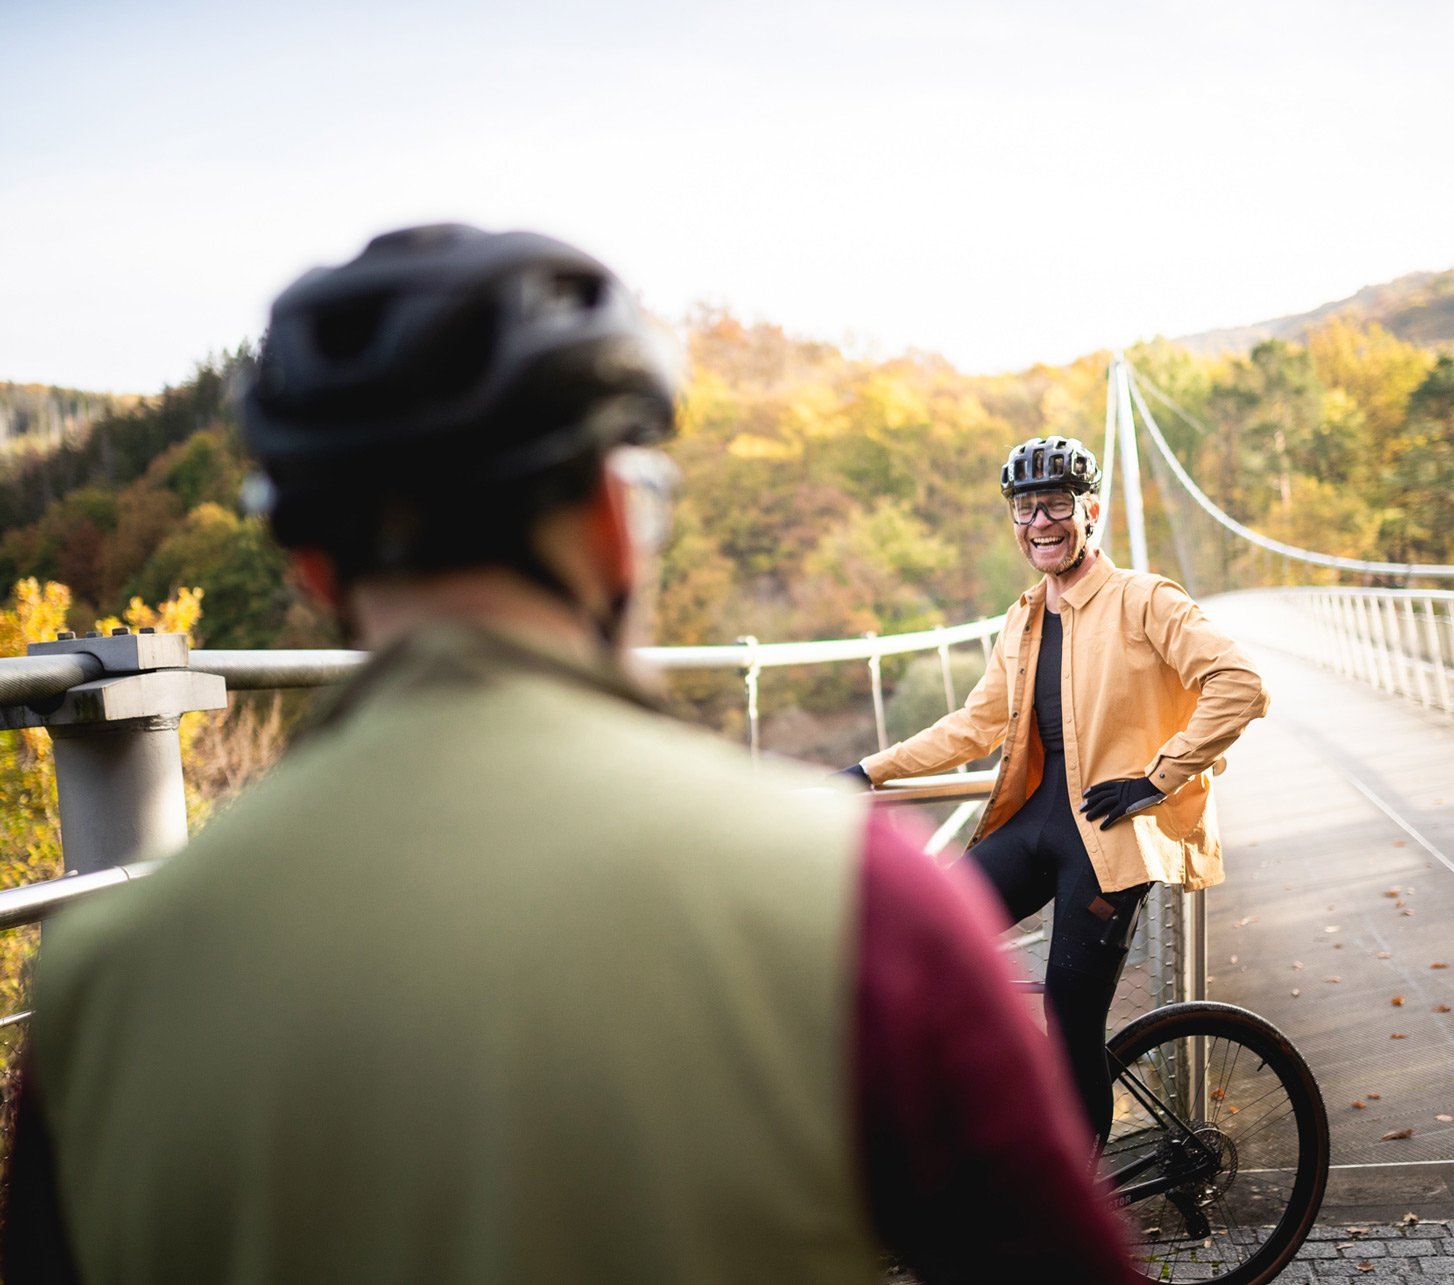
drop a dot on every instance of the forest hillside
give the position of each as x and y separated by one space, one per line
825 496
1418 308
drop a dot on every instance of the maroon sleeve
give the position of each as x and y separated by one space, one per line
977 1162
33 1245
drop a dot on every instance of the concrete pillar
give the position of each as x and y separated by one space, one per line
117 752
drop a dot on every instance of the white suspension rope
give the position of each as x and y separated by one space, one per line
1262 541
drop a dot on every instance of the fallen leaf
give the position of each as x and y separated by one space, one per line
1397 1001
1295 992
1441 1008
1231 959
1332 928
1360 1104
1363 1267
1332 979
1232 1108
1393 892
1411 1220
1337 945
1406 912
1398 1036
1439 964
1400 843
1358 1231
1298 964
1375 1097
1347 1244
1384 954
1397 904
1394 1135
1444 1119
1217 1094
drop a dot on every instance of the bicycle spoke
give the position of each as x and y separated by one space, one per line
1218 1125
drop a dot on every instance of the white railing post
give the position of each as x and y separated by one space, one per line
751 672
876 678
1436 655
948 676
1409 632
1398 657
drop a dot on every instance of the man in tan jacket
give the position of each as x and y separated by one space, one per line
1110 688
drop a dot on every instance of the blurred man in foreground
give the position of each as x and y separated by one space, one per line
503 976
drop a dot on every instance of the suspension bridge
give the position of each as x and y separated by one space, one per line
1337 810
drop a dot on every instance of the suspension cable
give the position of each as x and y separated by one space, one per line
1405 569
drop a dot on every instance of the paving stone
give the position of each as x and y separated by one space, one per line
1410 1248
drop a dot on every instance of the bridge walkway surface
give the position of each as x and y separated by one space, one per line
1336 922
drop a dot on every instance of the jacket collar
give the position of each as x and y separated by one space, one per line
456 653
1081 592
1086 588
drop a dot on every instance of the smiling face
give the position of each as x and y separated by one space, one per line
1052 545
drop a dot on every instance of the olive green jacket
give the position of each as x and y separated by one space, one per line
501 976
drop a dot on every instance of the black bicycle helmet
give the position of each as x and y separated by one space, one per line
444 369
1050 464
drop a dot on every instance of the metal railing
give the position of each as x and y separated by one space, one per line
751 657
47 689
1400 641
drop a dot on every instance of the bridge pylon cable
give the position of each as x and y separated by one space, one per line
1404 569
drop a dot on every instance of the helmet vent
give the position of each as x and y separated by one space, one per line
565 294
345 330
462 352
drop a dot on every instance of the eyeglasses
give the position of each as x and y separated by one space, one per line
652 480
1057 505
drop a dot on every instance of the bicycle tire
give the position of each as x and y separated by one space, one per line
1232 1173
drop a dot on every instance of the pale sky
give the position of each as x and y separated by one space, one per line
1003 182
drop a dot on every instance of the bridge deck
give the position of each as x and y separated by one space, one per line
1338 817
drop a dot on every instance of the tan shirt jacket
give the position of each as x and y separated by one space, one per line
1148 687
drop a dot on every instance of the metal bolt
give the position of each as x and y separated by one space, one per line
147 629
65 635
93 633
119 630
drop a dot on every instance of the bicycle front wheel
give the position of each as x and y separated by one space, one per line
1218 1150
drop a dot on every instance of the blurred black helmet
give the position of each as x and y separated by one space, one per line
1050 464
453 368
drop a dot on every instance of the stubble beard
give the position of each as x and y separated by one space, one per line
1072 558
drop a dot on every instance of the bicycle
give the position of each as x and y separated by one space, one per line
1219 1150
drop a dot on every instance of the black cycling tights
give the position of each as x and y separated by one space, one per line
1038 855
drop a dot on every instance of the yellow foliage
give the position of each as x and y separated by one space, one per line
1376 369
39 614
704 401
178 615
749 446
887 402
814 410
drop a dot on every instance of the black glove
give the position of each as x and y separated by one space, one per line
1116 799
856 774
